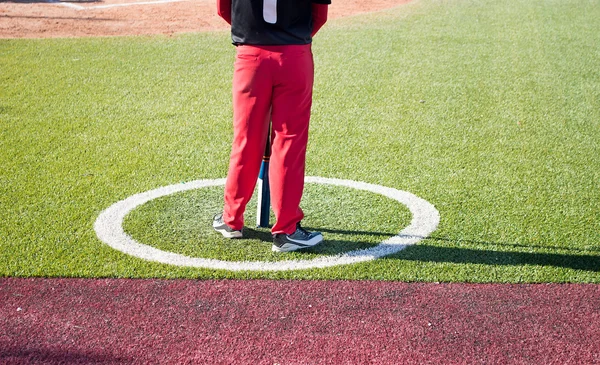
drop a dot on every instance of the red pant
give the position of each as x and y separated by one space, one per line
273 82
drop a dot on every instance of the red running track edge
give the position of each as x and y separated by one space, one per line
112 321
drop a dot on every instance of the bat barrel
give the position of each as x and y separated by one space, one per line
264 194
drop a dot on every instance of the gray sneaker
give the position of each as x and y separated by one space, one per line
296 241
224 229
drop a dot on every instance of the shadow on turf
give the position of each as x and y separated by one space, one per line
330 247
423 252
512 244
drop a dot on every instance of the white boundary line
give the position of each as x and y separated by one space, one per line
68 5
80 7
109 229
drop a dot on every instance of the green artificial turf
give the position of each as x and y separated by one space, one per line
490 110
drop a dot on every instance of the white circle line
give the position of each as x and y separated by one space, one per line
108 6
109 229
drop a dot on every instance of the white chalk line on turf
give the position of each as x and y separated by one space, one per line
109 229
108 6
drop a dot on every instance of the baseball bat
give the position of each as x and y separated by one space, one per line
263 209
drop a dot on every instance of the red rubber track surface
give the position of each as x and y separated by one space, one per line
58 321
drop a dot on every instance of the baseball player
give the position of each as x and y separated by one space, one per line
272 80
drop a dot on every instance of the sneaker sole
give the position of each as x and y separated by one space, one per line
290 246
226 234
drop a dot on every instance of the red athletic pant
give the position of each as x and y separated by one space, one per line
273 82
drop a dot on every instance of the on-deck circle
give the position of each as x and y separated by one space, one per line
109 229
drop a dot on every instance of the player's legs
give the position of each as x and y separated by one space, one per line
252 86
291 104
